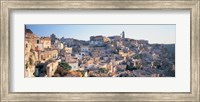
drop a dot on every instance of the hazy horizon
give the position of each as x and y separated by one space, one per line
155 34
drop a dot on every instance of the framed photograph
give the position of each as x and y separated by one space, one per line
67 50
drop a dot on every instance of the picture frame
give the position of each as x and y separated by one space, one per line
7 6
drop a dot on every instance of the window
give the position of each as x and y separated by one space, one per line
38 41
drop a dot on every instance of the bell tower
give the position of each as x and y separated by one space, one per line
123 34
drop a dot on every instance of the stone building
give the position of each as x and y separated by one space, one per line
114 38
47 55
84 50
68 50
46 42
51 68
32 39
58 45
31 56
73 62
98 40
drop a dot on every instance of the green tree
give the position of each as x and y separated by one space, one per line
65 65
131 68
82 72
138 56
103 70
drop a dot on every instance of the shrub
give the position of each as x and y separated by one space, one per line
31 61
65 65
131 68
138 56
103 70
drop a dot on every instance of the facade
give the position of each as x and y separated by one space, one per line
98 40
31 56
68 50
84 50
51 68
73 62
58 45
47 55
32 39
74 65
46 42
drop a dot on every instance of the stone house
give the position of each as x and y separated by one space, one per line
45 41
84 50
74 64
51 68
98 40
57 45
68 50
47 55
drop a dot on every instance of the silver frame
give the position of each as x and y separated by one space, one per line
8 5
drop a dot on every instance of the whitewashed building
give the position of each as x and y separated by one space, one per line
84 50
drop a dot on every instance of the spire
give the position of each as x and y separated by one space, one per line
123 34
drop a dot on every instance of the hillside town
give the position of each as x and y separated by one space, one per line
101 56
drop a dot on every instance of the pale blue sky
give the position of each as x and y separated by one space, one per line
163 34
